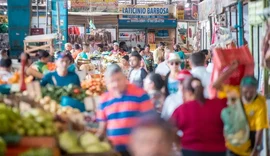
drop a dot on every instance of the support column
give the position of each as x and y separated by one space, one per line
240 23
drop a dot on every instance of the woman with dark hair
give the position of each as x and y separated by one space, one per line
41 64
125 65
200 121
38 68
153 85
178 50
147 56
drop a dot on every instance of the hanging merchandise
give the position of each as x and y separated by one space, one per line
92 25
4 28
266 49
98 36
222 37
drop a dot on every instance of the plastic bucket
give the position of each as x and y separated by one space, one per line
68 101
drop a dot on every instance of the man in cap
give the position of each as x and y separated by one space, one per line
61 77
120 108
255 108
173 101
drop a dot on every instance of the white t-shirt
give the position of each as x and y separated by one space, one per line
162 69
205 77
210 67
171 103
5 75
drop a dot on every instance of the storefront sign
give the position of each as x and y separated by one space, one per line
144 12
94 6
147 21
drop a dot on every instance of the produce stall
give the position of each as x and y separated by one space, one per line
51 120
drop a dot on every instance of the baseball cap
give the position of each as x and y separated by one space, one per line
116 43
63 55
249 81
183 74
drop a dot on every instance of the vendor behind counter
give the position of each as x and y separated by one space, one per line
62 76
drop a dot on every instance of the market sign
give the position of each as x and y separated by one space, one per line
144 12
94 5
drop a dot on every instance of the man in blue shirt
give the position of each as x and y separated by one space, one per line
61 76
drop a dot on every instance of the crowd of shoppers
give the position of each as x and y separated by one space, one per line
158 100
181 96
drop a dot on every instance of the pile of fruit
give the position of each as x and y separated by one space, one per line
32 123
16 79
35 123
95 86
85 143
38 152
65 113
8 117
56 92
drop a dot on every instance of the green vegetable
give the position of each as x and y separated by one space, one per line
38 152
68 140
3 146
88 139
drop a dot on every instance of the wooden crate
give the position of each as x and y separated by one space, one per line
28 143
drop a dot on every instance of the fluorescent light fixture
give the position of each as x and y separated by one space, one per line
187 5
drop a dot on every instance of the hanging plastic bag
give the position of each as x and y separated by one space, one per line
236 127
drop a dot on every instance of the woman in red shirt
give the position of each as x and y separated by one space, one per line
199 120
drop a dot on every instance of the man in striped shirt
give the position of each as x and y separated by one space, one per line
120 108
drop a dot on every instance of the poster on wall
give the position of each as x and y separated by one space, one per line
132 37
182 32
187 11
94 6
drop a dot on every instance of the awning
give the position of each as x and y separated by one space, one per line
145 23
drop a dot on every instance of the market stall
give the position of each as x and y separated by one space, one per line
51 120
99 28
145 24
96 20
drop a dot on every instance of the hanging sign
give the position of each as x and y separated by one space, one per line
94 5
144 12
